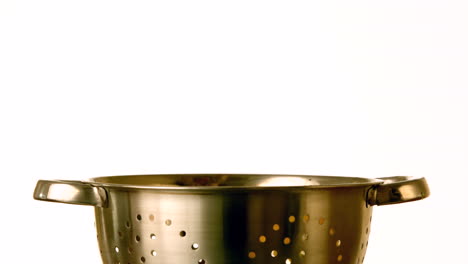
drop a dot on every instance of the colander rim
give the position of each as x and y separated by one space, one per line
296 181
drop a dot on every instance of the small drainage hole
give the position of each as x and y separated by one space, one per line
274 253
339 258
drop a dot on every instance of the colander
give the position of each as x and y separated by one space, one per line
233 218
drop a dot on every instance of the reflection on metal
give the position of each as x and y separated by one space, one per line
398 189
286 181
73 192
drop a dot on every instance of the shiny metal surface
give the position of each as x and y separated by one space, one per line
228 218
398 189
221 182
72 192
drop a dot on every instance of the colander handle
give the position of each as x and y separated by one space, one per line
71 192
398 189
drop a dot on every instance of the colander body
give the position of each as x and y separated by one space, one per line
206 219
314 226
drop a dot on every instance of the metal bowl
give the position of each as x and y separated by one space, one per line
233 218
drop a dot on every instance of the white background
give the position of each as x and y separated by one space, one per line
363 88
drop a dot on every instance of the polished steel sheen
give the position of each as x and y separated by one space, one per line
233 218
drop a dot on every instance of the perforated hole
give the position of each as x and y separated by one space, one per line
127 224
168 222
137 238
201 261
292 219
182 233
286 241
262 239
195 246
142 259
153 253
139 217
130 250
288 261
367 230
252 255
153 236
274 253
302 253
321 221
339 258
276 227
117 250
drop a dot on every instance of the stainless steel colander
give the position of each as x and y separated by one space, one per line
233 218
